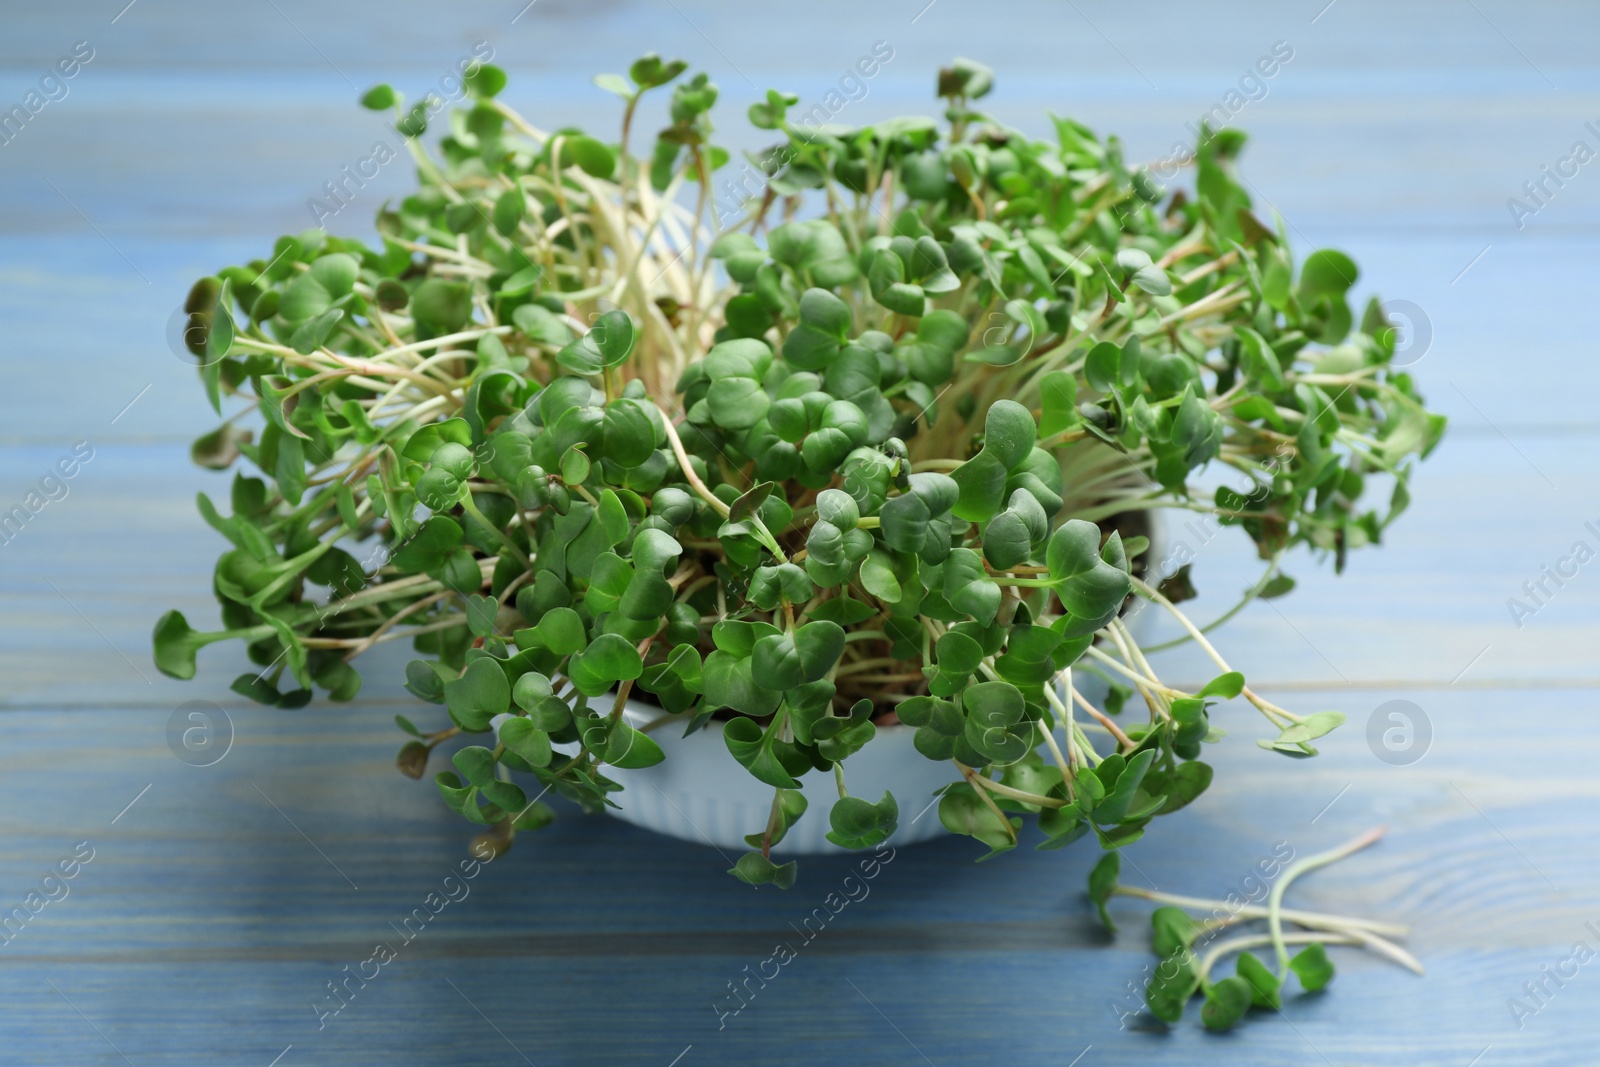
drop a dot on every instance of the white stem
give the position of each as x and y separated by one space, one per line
1317 919
1299 867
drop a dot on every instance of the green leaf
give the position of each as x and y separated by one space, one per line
770 585
982 482
303 298
596 159
1325 277
1187 782
1227 686
1259 359
615 83
1153 280
529 689
957 653
581 356
786 660
629 748
1102 365
860 824
1171 930
851 735
1001 745
965 77
944 329
506 796
1170 987
312 334
963 813
336 272
1115 806
541 324
1264 985
476 765
481 612
810 348
878 577
456 796
755 869
737 403
1302 750
560 630
1007 541
534 816
791 805
609 659
904 298
1226 1003
175 646
1089 587
844 611
1312 967
993 704
753 747
814 246
648 71
1009 433
738 637
1196 429
485 80
378 98
1327 272
1058 394
1102 880
677 681
575 467
820 644
422 445
521 736
939 715
611 518
480 694
440 307
1314 726
729 683
825 312
509 209
968 588
424 681
613 337
429 547
630 436
776 661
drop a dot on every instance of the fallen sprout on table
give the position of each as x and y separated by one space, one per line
1178 939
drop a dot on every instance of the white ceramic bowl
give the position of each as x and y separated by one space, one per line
699 793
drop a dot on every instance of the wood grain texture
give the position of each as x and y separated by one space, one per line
219 904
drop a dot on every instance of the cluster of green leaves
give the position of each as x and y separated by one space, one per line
597 473
1176 938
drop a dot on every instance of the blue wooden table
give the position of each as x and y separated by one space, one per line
211 908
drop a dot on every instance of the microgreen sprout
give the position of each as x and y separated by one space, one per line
871 457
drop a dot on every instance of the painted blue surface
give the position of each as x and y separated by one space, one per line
221 900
